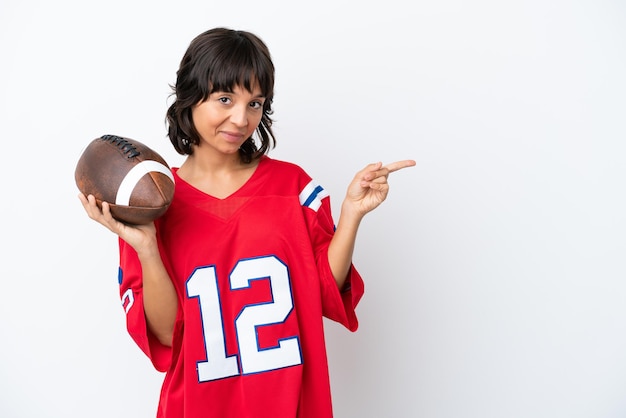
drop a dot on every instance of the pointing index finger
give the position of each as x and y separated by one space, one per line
398 165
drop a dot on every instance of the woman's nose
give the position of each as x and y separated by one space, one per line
239 115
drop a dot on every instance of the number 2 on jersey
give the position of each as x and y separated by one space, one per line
203 285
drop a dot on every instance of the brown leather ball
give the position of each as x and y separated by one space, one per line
134 179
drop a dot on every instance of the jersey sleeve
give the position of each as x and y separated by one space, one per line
337 305
131 294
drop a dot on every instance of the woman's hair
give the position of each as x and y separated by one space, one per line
218 60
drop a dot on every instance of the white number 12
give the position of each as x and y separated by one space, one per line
203 285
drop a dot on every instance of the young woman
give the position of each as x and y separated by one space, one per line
227 291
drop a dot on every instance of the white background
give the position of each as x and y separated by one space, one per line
495 271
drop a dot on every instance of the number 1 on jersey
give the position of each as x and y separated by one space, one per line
203 285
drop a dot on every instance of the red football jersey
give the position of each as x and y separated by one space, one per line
253 283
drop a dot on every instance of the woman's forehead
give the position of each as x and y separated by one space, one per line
249 83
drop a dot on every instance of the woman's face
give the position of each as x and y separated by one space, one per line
225 120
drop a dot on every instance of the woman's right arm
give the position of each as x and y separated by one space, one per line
159 294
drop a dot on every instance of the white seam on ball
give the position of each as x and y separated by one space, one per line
134 175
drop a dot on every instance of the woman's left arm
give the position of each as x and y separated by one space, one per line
368 189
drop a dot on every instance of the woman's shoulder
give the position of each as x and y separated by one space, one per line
284 167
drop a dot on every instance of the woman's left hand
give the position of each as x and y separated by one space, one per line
369 188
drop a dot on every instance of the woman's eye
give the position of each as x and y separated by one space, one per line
256 105
224 100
